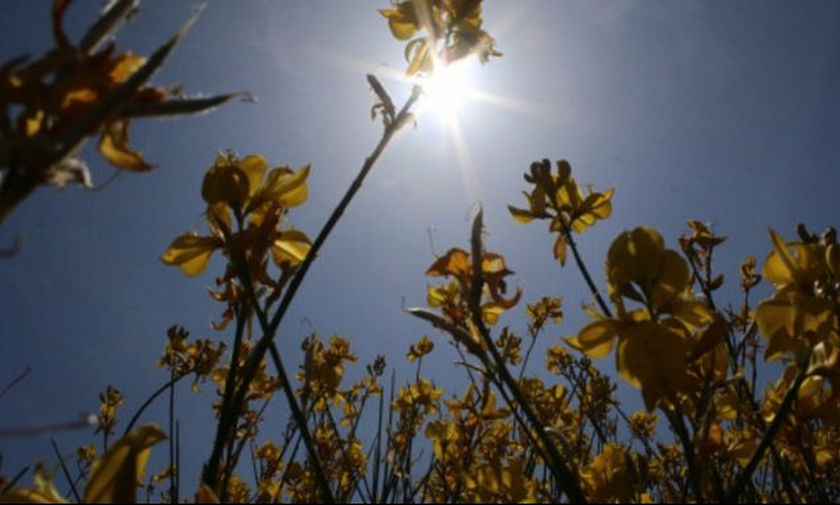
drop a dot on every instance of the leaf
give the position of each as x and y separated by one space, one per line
113 145
116 477
191 253
181 106
110 20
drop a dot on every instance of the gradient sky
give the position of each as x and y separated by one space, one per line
723 112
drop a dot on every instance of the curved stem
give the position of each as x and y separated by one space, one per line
558 467
583 270
149 401
256 356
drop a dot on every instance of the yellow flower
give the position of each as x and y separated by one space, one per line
799 315
654 342
556 196
259 198
115 477
639 267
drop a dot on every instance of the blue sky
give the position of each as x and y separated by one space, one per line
723 112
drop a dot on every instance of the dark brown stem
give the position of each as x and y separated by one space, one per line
561 471
583 270
767 439
266 343
149 401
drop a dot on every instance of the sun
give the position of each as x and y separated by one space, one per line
446 90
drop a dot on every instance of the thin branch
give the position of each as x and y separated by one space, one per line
768 437
555 461
149 401
17 380
66 472
267 341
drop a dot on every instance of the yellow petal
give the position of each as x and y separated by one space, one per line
743 451
455 262
206 495
114 147
116 477
421 61
692 313
602 206
784 320
596 340
560 249
635 256
124 65
190 252
672 279
218 214
254 167
521 216
653 358
28 495
79 96
493 263
292 246
825 454
782 268
34 122
286 187
402 20
490 313
225 182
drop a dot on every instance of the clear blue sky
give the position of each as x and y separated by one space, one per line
722 112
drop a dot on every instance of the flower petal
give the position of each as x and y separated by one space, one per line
117 475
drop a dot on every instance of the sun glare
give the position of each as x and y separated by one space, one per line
445 91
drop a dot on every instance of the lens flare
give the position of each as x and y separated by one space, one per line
446 90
